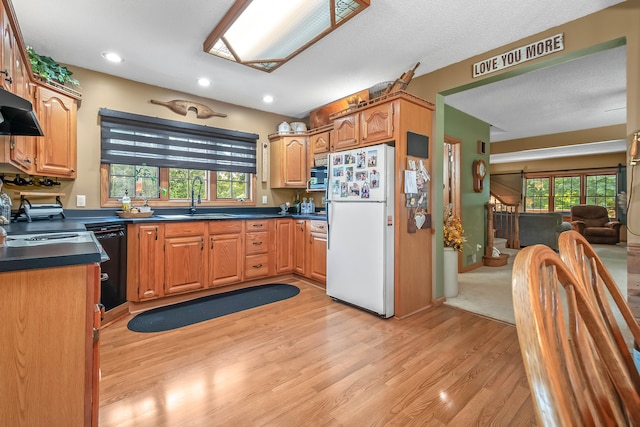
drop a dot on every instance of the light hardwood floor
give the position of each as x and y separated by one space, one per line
311 361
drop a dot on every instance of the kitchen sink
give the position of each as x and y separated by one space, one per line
204 215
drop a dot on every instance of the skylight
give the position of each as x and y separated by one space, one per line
264 34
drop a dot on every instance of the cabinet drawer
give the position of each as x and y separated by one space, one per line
225 227
190 228
258 225
256 242
318 226
256 266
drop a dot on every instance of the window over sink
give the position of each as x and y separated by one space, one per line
153 159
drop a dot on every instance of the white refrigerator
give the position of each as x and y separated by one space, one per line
360 217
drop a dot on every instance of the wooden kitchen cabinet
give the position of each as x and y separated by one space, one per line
56 151
284 243
225 252
145 262
310 249
288 161
49 362
376 124
185 257
346 131
258 249
18 151
373 124
299 246
388 119
318 250
319 147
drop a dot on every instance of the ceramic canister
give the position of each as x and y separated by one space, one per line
284 128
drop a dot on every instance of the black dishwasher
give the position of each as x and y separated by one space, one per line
113 278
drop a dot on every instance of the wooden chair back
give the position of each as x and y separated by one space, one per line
585 263
576 375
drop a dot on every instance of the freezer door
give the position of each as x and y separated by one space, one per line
360 256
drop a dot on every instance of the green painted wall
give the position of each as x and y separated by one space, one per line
474 217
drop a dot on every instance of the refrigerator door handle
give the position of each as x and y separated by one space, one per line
328 224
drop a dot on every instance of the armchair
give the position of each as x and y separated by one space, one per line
593 223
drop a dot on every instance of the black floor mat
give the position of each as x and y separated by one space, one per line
209 307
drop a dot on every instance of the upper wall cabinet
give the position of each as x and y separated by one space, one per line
371 125
56 152
288 165
17 151
319 146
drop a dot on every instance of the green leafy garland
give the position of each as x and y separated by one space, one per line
49 70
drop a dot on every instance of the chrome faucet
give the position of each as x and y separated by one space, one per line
192 209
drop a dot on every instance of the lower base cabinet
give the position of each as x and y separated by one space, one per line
299 246
166 259
225 252
185 257
318 250
310 246
49 361
284 245
145 262
259 249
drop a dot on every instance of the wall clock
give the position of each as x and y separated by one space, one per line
479 172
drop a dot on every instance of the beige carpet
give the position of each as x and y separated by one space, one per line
487 290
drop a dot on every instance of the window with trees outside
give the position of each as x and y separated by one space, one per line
145 183
537 195
165 162
560 191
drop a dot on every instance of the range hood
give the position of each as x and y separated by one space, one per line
17 116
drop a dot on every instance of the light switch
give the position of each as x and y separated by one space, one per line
264 200
81 200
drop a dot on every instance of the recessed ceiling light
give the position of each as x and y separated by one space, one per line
268 99
204 82
112 57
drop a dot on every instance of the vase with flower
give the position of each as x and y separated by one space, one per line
454 240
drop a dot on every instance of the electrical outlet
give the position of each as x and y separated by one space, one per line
473 258
324 200
264 200
81 200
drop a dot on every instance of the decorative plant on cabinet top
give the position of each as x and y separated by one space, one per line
45 68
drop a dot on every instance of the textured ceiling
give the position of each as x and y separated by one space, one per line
585 93
161 42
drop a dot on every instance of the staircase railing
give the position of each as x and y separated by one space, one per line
503 223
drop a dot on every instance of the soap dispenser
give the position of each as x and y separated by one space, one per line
126 202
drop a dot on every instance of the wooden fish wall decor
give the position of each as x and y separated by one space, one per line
179 106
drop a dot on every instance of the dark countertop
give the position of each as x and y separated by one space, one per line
47 256
62 254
